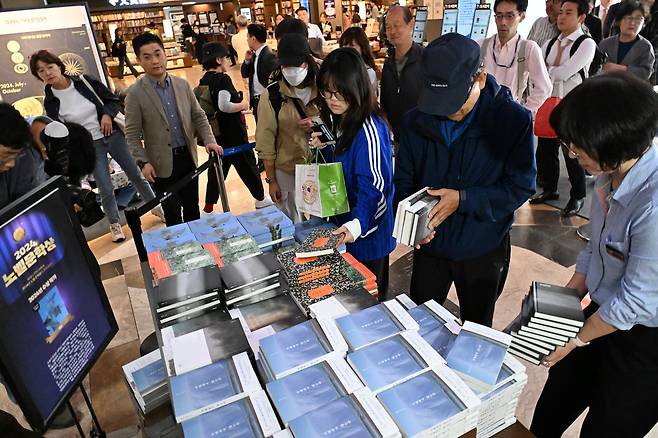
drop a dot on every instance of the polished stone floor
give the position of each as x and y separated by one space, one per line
545 247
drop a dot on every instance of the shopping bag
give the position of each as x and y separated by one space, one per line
320 189
543 126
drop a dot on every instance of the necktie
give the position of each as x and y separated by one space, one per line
560 50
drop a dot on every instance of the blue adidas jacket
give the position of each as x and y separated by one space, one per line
367 166
492 164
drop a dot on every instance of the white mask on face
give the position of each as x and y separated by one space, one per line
294 75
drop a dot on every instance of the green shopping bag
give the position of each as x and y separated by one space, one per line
320 189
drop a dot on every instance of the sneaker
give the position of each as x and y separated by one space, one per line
159 212
265 202
117 233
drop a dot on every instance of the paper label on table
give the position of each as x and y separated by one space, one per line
453 326
190 352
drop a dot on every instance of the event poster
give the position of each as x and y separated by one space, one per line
54 316
465 16
66 31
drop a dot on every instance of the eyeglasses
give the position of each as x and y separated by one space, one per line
631 19
509 16
568 151
332 95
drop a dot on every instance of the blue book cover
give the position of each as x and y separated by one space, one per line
292 347
267 224
203 387
433 330
385 362
367 326
505 372
167 237
477 356
215 227
304 391
339 419
420 403
304 228
150 376
235 420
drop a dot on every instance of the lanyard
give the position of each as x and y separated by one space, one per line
493 52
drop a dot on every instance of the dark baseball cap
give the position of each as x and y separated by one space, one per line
447 67
293 49
213 50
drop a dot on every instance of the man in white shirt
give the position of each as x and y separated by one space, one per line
545 28
313 29
514 61
239 40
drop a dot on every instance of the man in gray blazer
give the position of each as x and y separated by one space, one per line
162 110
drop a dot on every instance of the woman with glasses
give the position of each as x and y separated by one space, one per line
363 147
628 50
611 367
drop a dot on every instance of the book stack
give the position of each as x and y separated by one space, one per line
147 379
393 360
271 228
234 249
280 312
550 316
212 386
358 273
438 326
250 416
187 295
312 388
351 301
477 355
319 242
412 218
169 237
435 403
374 324
303 229
216 227
299 347
253 279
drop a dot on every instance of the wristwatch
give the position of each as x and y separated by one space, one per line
579 342
269 180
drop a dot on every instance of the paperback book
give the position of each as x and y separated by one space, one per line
304 228
237 248
432 319
187 287
351 301
257 292
280 312
245 273
216 227
147 379
174 235
271 228
320 242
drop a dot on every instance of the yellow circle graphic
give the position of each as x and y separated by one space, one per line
29 106
17 58
19 234
21 69
74 65
13 46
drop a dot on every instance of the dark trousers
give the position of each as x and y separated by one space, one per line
187 198
548 166
379 267
245 165
616 376
124 60
253 101
479 281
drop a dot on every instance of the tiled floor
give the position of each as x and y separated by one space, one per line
544 248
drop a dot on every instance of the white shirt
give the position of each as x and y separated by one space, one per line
258 87
372 75
567 72
505 69
240 44
304 94
75 108
314 31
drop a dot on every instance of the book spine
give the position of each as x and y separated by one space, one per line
264 413
401 315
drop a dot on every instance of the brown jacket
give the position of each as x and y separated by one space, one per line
281 140
145 119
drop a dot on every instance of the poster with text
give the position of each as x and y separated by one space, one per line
64 30
55 319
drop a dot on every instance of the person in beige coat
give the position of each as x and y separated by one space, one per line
162 110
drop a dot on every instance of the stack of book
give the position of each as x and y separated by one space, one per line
358 273
271 228
550 316
169 237
477 355
187 295
252 280
351 301
234 249
412 218
280 312
299 347
147 379
312 388
216 227
438 326
319 242
374 324
303 229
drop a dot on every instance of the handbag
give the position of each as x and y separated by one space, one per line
320 189
543 126
119 119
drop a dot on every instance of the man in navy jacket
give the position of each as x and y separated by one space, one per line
473 145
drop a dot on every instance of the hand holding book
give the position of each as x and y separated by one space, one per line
448 204
346 236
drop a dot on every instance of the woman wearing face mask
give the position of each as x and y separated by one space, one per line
285 111
364 149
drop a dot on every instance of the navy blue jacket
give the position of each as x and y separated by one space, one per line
492 164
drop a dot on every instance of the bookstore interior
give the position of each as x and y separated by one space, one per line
260 327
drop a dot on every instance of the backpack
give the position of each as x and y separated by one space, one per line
597 61
203 96
522 89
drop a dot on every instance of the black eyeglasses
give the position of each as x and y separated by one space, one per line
332 95
568 151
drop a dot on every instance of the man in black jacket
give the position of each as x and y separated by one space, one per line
259 60
400 85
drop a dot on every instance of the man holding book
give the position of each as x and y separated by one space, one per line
471 142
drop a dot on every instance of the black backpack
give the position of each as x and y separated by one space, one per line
597 62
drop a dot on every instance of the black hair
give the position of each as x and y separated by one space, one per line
583 6
14 130
343 71
290 25
301 8
406 13
627 7
82 154
184 20
47 58
521 5
311 73
613 118
358 35
210 64
144 39
257 31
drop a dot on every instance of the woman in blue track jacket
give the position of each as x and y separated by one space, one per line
363 147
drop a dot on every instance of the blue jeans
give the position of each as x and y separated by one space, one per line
117 147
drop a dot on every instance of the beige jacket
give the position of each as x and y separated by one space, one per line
282 140
146 119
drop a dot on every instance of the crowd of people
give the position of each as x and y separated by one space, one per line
456 116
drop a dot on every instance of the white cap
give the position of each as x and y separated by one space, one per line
56 130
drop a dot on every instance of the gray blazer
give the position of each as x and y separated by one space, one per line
639 59
146 119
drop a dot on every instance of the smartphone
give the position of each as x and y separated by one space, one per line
326 136
449 19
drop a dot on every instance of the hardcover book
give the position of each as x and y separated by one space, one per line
174 235
320 242
558 304
304 228
250 271
185 287
237 248
280 312
433 329
216 227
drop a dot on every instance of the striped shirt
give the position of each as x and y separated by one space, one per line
543 30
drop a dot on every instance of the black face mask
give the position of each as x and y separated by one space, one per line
57 150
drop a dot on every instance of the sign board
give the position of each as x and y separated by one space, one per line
419 24
481 19
450 17
465 16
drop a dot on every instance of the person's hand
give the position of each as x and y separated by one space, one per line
149 172
346 236
106 125
305 124
448 204
611 66
245 105
578 281
315 140
559 354
248 55
77 208
214 147
275 192
426 240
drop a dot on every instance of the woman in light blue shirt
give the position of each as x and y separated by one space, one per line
608 123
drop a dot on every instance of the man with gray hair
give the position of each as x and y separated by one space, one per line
239 40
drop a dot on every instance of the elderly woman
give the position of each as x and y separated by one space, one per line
608 124
628 51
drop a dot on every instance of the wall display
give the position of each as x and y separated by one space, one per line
192 19
246 12
203 18
419 24
450 15
481 20
55 318
213 17
64 30
465 16
329 9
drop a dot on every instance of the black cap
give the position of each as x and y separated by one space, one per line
293 49
447 67
213 50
